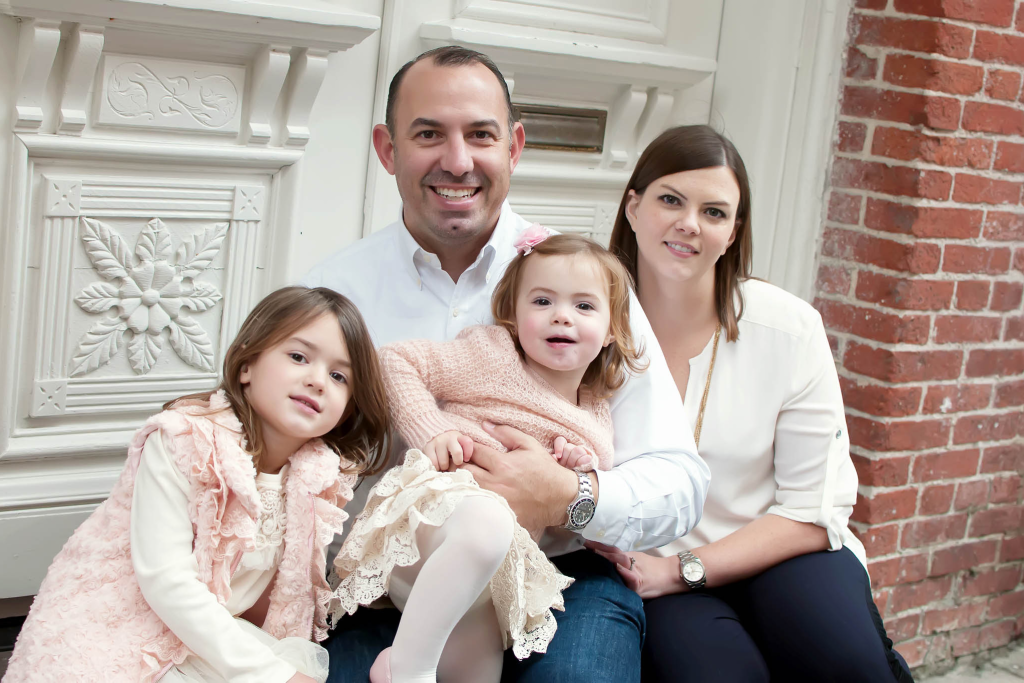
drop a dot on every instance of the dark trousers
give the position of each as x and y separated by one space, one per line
810 618
599 635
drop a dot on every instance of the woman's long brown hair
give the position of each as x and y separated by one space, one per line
688 148
362 436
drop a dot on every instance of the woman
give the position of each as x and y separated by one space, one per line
771 584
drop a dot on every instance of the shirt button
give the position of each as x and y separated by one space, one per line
600 534
455 313
839 433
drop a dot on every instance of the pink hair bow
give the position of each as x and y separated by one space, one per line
531 237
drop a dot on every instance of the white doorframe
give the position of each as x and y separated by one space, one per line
782 61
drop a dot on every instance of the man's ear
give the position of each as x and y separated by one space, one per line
385 147
517 140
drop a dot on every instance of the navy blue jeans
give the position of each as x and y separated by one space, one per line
810 618
599 636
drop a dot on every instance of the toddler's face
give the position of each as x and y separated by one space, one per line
301 387
563 312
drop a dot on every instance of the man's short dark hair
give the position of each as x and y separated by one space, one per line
448 55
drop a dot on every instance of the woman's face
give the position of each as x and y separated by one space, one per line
683 223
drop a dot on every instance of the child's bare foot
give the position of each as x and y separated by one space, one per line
380 672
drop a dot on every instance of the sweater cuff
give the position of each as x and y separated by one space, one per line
425 427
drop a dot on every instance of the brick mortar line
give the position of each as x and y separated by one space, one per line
909 240
893 13
987 314
923 165
958 134
925 130
963 99
924 202
881 52
940 276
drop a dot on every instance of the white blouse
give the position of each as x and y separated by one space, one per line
168 574
774 432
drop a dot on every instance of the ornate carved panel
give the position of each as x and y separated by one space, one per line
143 283
171 94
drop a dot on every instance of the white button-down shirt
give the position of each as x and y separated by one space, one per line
655 492
774 431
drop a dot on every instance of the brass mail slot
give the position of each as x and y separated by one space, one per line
563 128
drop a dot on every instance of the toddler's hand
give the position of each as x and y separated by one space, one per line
571 456
449 450
301 678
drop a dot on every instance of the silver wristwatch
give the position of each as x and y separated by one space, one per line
581 510
691 570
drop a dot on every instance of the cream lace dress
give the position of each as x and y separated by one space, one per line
479 375
250 580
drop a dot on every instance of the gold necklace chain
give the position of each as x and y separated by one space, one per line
707 387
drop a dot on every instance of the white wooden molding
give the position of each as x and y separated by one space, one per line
302 23
654 120
620 138
171 94
585 57
309 70
82 56
808 157
36 49
588 218
270 68
46 146
644 21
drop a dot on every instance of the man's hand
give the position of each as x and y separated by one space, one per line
571 456
449 450
536 487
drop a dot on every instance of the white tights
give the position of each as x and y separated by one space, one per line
449 631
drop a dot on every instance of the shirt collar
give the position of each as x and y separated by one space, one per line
495 254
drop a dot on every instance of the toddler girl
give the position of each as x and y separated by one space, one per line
432 539
207 561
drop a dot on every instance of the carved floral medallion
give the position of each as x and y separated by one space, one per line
150 293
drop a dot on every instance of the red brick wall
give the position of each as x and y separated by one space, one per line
920 285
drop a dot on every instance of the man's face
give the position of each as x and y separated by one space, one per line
452 153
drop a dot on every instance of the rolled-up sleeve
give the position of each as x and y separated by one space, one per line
656 491
815 478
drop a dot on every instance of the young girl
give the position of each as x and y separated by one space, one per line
207 561
429 536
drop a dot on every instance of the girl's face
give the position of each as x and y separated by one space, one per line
563 311
684 222
301 387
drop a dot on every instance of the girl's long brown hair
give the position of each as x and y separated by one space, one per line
608 371
362 436
688 148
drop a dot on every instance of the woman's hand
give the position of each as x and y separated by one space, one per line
449 450
649 576
571 456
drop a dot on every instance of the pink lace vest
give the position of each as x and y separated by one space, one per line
89 621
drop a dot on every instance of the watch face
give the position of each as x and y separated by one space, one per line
582 512
693 571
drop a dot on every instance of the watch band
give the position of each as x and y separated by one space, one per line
581 509
685 558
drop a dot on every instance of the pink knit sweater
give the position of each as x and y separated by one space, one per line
434 387
90 622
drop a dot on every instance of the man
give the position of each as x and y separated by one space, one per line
452 142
